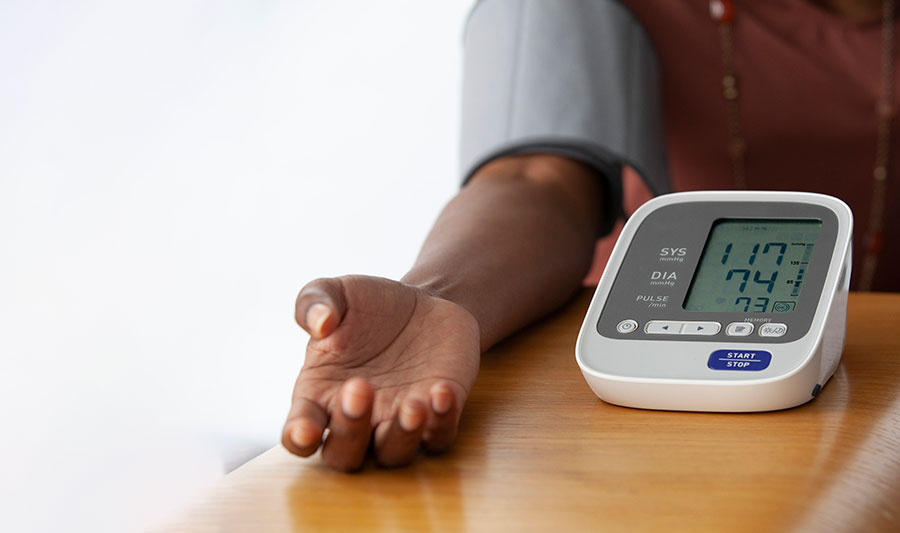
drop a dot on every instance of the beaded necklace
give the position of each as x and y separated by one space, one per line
722 12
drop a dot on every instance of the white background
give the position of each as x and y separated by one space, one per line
171 173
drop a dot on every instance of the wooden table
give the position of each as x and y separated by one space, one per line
538 451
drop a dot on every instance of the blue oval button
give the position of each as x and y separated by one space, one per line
739 360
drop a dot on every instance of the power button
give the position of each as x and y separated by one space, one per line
627 326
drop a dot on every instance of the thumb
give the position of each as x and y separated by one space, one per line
321 306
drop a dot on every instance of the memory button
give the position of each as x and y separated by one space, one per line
739 329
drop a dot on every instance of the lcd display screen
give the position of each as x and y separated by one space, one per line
753 265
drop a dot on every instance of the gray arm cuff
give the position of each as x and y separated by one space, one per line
571 77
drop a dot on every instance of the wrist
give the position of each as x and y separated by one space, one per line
431 283
443 286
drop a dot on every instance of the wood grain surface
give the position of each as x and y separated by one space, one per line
539 452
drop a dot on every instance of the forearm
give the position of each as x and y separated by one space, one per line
515 243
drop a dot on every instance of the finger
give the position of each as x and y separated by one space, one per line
302 432
441 429
397 441
321 306
351 427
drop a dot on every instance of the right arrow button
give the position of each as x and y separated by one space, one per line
701 328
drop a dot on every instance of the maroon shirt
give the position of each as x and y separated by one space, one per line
809 81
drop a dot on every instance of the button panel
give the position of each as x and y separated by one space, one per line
772 330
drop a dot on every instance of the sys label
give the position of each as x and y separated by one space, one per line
739 360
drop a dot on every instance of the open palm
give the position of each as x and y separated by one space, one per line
385 361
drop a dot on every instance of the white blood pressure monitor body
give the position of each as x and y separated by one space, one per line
721 301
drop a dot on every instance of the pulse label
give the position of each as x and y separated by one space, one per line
653 301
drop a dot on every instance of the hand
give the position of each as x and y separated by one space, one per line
385 361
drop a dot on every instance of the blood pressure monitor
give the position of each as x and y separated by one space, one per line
721 301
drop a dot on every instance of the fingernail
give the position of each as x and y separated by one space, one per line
316 316
441 402
409 418
353 405
302 435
